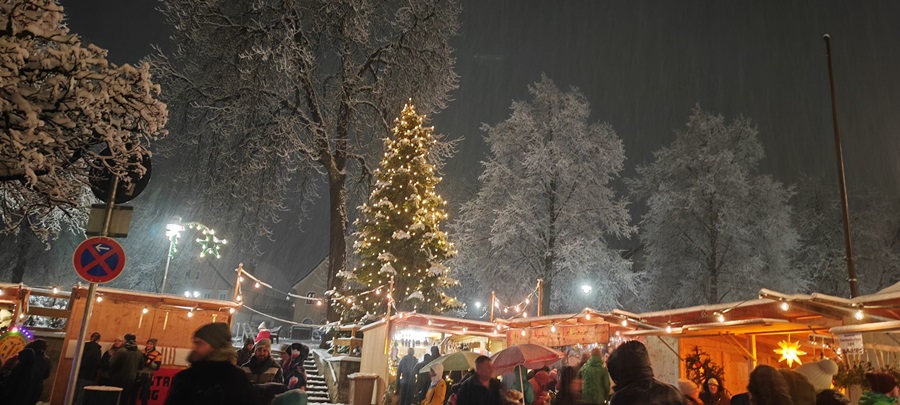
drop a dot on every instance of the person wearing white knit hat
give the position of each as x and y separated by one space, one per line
820 374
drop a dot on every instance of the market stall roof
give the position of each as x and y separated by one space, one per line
441 324
881 327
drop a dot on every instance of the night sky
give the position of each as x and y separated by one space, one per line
643 65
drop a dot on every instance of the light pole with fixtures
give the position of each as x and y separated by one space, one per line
209 244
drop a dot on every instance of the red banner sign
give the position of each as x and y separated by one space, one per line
159 388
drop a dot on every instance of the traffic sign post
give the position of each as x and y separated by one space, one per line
103 260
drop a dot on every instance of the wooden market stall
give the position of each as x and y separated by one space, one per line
170 319
738 336
420 332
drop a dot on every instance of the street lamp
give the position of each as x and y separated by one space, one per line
586 289
478 304
173 232
209 244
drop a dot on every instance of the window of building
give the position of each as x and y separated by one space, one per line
311 295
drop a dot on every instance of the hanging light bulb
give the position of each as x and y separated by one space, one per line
552 328
527 301
319 303
429 322
230 310
669 328
145 310
465 330
859 315
524 314
191 313
257 284
523 332
720 317
587 316
785 306
55 290
239 298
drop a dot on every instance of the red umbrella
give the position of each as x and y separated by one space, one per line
529 355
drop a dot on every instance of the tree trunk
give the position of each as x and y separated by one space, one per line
337 244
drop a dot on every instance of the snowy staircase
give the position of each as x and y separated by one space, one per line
316 390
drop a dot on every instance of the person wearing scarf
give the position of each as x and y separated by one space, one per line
438 388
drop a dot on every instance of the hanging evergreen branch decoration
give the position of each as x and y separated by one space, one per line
699 368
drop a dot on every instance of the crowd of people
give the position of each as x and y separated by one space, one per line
633 382
217 373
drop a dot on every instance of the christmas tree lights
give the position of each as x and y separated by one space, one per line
399 231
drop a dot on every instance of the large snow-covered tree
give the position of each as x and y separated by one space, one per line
61 103
399 235
546 208
715 228
875 232
273 96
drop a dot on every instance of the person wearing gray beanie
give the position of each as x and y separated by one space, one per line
212 377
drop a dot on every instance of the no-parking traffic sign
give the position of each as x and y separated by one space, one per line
99 260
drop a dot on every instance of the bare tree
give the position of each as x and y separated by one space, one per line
61 102
272 96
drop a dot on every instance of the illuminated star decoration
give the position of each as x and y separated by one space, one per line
790 352
209 243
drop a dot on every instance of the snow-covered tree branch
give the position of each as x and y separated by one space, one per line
272 95
61 102
546 205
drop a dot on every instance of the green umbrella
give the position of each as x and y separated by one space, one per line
459 361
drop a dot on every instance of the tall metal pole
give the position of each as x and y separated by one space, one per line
848 243
89 303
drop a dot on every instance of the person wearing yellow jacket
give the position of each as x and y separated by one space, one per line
438 388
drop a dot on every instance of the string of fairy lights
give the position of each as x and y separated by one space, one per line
519 309
259 283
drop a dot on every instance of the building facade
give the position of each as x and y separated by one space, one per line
312 285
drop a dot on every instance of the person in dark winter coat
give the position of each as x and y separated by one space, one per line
569 387
629 367
262 368
295 373
741 399
212 378
406 377
90 366
244 355
713 393
802 392
422 379
103 378
768 387
25 383
481 388
124 366
820 374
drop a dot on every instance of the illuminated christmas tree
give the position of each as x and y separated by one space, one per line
399 232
